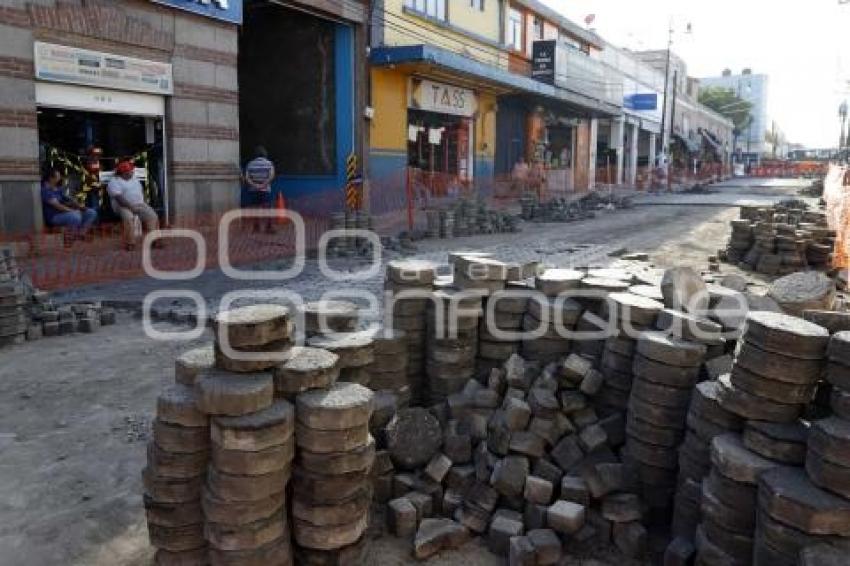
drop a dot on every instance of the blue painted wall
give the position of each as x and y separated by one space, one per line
325 193
387 180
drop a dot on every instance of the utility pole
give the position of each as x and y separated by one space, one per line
665 141
672 124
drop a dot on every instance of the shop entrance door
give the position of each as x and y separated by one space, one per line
83 132
439 153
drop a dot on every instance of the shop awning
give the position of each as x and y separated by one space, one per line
420 57
691 146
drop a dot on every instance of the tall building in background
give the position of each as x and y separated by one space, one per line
752 88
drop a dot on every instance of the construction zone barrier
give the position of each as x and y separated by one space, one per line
836 194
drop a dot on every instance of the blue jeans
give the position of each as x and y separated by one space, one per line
77 220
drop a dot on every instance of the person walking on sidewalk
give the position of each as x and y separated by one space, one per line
59 210
128 201
258 176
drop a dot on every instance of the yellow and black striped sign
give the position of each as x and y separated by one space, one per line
353 184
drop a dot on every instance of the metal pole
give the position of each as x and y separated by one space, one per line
672 122
664 138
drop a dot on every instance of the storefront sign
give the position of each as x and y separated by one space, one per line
543 61
439 97
227 10
63 64
647 101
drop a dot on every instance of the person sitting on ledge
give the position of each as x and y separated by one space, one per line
59 210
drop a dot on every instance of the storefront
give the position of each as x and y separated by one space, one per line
95 109
440 137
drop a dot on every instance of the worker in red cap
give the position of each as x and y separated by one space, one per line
128 201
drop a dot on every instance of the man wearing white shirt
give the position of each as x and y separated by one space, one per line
128 200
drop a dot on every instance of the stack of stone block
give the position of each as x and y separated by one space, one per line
504 312
665 374
252 437
552 313
626 316
14 320
305 368
706 419
452 341
776 369
388 371
329 317
332 487
407 312
740 241
356 352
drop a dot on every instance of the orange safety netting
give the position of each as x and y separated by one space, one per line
836 193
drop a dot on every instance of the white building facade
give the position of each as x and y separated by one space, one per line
751 143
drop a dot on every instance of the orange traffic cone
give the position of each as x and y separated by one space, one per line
280 207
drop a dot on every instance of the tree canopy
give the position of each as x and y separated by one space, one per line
729 104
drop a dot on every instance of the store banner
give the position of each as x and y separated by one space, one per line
442 98
225 10
64 64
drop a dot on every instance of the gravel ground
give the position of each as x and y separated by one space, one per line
75 410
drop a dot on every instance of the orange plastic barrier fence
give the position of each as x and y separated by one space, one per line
836 193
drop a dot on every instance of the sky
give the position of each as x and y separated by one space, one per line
804 48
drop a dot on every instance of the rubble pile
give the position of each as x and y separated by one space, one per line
567 210
781 239
466 218
14 318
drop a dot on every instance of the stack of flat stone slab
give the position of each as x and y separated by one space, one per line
356 352
332 487
551 316
706 419
14 320
452 341
504 312
388 371
776 368
222 450
665 374
408 285
305 368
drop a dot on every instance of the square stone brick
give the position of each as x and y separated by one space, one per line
547 546
438 467
517 413
538 490
592 438
402 517
567 453
575 489
565 517
509 475
504 525
630 538
521 552
545 469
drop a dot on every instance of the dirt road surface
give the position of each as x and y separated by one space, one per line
75 410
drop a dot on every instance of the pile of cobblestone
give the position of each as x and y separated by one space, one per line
467 218
781 239
567 210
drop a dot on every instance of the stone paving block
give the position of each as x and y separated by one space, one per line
621 507
567 453
592 438
534 516
749 406
592 382
545 469
435 535
422 502
787 335
547 546
783 442
572 402
458 448
509 475
517 413
565 517
504 525
527 444
630 538
537 490
521 552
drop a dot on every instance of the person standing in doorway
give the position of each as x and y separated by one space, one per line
258 176
59 210
128 201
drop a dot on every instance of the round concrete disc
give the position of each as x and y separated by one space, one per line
657 372
326 441
411 272
413 437
786 335
751 407
342 406
356 460
252 359
276 553
651 434
179 465
802 291
649 291
735 461
665 417
553 282
190 364
653 455
672 397
731 493
689 327
172 514
164 557
388 342
705 404
355 349
254 325
783 442
306 368
563 311
830 438
839 401
328 538
217 510
736 519
177 404
777 391
828 475
223 393
635 309
181 439
611 273
329 316
330 515
246 488
776 366
324 489
176 539
254 463
171 490
839 347
249 536
669 350
788 496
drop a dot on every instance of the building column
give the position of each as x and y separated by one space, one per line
591 170
652 140
631 174
618 130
